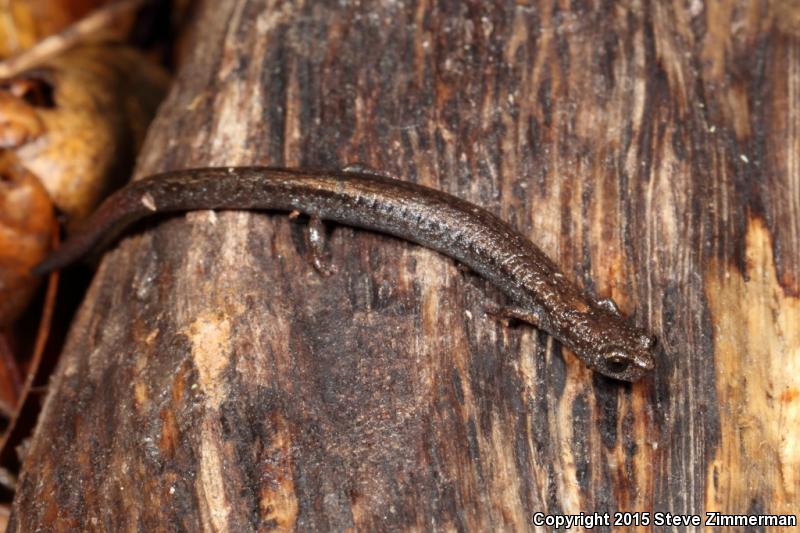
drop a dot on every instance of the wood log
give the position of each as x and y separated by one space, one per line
214 381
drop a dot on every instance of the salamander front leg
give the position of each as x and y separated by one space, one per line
609 305
315 240
508 313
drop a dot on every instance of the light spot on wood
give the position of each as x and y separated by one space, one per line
278 499
140 394
214 507
757 359
209 335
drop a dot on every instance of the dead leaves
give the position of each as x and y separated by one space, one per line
70 128
101 98
26 22
26 225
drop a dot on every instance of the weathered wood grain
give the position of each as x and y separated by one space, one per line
213 381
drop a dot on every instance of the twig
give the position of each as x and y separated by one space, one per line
42 335
69 37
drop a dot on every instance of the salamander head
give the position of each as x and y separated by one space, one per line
627 358
610 346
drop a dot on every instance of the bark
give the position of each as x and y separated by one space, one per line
214 381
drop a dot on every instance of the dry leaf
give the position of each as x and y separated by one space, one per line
19 122
23 23
26 225
94 104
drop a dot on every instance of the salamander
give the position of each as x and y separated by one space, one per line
592 328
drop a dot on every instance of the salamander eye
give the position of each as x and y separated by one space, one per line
617 364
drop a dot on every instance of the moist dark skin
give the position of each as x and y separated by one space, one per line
593 329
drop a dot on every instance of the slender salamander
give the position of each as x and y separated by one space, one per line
593 329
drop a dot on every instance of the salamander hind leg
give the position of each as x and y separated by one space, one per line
316 239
